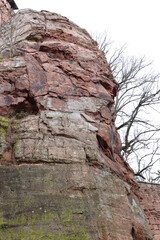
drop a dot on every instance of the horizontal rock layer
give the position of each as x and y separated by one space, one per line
59 148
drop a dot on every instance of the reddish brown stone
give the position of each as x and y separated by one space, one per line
36 77
57 118
7 157
150 203
5 11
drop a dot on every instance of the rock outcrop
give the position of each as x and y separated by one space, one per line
53 73
62 174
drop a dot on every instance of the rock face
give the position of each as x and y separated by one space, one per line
150 203
62 174
53 73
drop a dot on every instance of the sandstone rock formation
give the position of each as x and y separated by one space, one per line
62 174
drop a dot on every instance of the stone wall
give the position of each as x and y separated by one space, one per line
150 203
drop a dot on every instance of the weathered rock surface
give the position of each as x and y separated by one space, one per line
62 173
67 201
150 203
59 78
5 11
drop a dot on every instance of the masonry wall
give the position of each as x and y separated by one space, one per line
150 202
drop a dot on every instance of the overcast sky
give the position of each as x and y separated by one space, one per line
135 23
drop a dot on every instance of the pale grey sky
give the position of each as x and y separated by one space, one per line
135 23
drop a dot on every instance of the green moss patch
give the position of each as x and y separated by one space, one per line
4 124
45 224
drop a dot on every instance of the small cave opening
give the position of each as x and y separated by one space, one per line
54 53
102 143
106 85
133 233
28 107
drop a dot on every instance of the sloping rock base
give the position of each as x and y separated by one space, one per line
67 201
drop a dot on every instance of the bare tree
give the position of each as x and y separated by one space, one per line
136 108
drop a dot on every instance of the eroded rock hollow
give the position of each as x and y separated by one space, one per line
62 174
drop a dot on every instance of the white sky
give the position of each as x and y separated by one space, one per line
135 23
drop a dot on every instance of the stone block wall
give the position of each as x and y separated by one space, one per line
150 203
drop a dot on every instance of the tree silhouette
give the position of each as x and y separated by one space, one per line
136 109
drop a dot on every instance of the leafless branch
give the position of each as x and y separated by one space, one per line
136 103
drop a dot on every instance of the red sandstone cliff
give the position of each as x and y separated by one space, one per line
60 155
54 66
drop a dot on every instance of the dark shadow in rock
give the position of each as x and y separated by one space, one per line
28 107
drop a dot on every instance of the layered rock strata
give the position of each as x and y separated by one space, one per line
62 173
